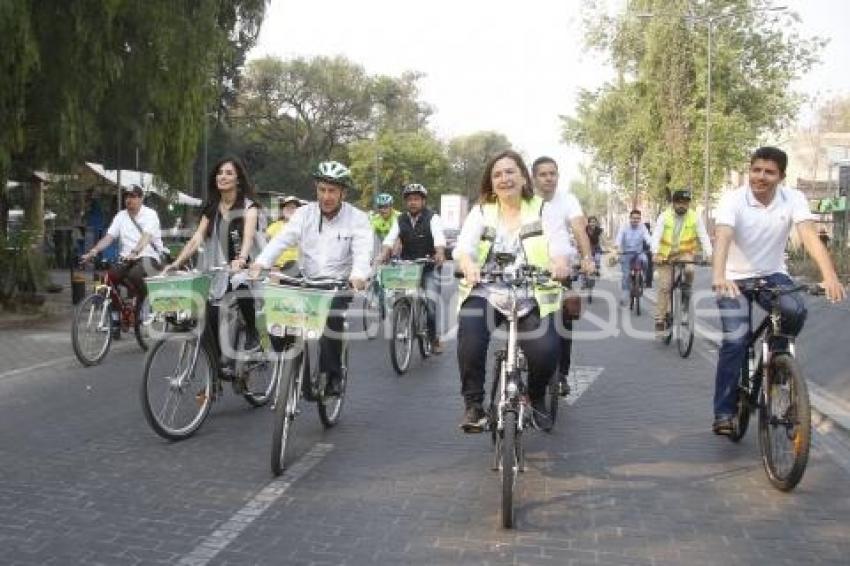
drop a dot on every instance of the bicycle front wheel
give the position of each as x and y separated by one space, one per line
372 312
257 374
684 322
91 332
425 345
401 345
285 412
177 386
742 409
785 423
330 406
509 466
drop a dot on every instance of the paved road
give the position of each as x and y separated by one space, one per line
631 475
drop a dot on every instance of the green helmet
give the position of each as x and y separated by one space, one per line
383 199
333 172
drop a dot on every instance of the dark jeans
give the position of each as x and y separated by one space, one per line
736 333
330 344
245 304
132 274
477 320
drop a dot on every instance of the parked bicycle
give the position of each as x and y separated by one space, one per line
510 413
296 313
183 376
103 315
772 382
680 320
402 283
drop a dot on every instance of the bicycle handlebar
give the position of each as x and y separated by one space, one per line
329 283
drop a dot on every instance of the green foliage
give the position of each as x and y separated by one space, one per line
654 113
594 201
468 155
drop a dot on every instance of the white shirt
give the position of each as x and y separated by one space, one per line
436 232
702 234
568 203
761 232
553 227
339 247
122 227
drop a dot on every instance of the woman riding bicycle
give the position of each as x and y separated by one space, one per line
508 219
228 231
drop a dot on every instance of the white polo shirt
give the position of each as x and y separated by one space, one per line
761 232
122 227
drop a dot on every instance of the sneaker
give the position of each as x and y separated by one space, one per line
436 346
474 419
542 420
563 385
722 425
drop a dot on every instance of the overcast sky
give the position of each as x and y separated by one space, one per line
490 65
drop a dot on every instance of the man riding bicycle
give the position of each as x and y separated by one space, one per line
384 217
137 228
629 242
335 241
420 230
753 225
679 231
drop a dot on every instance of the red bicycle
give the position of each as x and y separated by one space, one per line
103 315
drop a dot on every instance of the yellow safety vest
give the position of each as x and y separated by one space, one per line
687 237
289 254
534 243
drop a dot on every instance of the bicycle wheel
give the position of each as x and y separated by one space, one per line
422 336
742 406
372 312
91 332
509 466
256 375
684 322
330 407
285 413
785 425
401 345
177 386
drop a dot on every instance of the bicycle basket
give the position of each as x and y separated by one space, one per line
306 309
403 277
179 293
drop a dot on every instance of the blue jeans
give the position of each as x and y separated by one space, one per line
736 333
626 265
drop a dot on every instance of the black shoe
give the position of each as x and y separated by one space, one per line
334 387
474 419
563 385
252 342
722 426
542 420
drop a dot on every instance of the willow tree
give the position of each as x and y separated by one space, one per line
654 112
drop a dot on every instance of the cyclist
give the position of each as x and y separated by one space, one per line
384 216
287 261
545 172
334 240
421 233
137 228
679 232
508 219
630 241
594 235
753 225
229 232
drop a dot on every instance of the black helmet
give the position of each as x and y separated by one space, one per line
681 194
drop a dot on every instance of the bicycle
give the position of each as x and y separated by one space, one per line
402 281
374 309
296 314
510 411
182 376
774 384
103 315
636 281
680 320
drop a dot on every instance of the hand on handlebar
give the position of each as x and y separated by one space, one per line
725 288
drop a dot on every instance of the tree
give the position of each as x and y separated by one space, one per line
468 157
594 202
395 159
650 121
834 115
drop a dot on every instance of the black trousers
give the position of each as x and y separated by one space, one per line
565 336
330 344
245 304
538 339
133 273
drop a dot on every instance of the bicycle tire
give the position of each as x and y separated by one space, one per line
372 316
425 345
741 420
91 311
509 466
792 423
259 378
685 330
198 388
401 345
553 398
330 408
285 413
